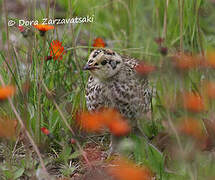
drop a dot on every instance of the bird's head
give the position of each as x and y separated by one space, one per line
103 63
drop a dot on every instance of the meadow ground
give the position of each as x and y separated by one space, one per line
42 88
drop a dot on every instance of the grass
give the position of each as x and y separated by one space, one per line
56 90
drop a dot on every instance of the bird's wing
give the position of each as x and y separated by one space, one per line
132 62
95 98
145 90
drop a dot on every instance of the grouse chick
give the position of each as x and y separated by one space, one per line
114 83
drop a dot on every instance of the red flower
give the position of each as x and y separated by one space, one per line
21 28
144 69
159 40
99 42
45 131
56 50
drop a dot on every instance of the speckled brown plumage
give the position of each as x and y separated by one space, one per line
114 83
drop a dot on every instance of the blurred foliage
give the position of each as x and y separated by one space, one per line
129 27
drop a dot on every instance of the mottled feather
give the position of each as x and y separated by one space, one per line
125 90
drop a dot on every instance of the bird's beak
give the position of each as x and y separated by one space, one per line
89 67
86 67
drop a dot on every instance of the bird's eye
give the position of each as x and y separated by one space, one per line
113 64
96 64
103 62
90 61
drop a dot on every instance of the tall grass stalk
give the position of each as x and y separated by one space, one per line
181 17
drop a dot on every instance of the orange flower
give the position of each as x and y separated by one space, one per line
119 128
192 127
114 121
144 69
211 59
7 127
210 90
43 27
185 62
193 102
91 122
6 92
110 118
56 50
124 170
99 42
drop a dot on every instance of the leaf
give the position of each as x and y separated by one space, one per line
68 171
19 173
156 158
75 155
65 154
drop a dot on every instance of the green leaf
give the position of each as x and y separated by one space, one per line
68 171
65 154
4 37
19 173
75 155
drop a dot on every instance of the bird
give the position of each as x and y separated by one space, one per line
114 83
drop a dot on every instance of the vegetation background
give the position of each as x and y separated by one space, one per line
50 93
